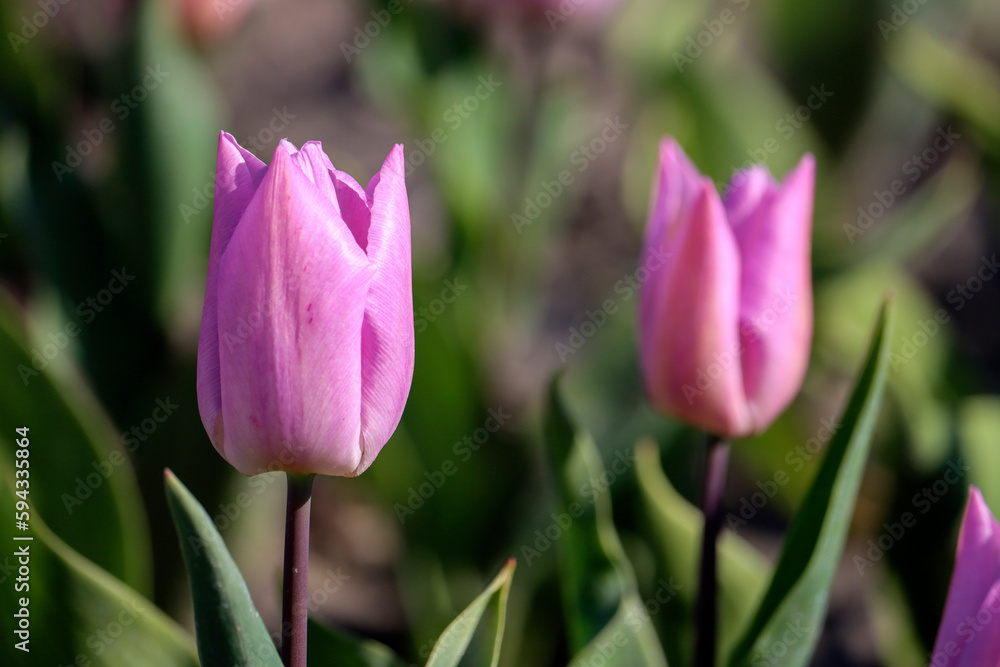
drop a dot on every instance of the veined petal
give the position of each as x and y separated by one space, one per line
387 346
773 228
293 284
688 325
315 164
238 174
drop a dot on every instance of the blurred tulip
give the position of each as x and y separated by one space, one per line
725 315
969 635
552 13
209 20
306 350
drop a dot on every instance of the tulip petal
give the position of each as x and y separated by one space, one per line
238 175
315 164
355 206
772 226
677 187
387 336
688 326
975 584
292 290
675 190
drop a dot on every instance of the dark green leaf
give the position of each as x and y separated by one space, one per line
790 616
78 614
601 598
228 627
328 646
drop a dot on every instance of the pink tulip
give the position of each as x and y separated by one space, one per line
969 635
306 350
725 314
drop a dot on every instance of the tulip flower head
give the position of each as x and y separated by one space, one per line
306 350
725 315
969 635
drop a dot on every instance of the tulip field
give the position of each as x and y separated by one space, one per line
524 333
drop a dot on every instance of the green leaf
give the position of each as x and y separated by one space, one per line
790 616
228 627
603 608
79 614
333 647
84 484
455 640
678 526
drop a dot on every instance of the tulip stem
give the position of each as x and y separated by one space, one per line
295 584
706 613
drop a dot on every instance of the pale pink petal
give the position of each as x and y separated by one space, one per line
387 337
292 287
238 174
688 325
773 229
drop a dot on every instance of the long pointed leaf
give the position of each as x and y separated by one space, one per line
78 612
454 641
790 616
604 611
228 627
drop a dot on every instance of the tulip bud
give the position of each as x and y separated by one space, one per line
969 635
306 350
725 314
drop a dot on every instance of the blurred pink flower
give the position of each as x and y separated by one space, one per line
306 350
969 635
725 315
209 20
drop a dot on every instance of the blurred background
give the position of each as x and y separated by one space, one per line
531 131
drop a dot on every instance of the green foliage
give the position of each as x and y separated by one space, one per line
229 629
790 617
605 614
